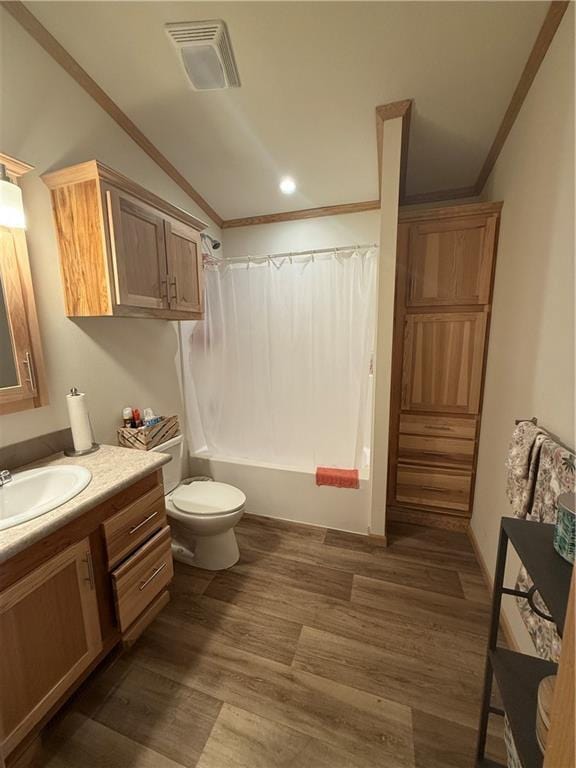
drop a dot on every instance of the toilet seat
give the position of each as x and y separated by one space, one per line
207 498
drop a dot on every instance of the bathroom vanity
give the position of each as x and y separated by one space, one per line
78 582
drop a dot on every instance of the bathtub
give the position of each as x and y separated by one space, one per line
291 494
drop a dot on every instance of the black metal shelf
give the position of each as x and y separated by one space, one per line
518 677
550 573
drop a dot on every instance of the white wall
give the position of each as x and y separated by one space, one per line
530 368
324 232
48 121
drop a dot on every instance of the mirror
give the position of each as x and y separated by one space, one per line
8 371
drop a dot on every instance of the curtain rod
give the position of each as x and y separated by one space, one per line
290 254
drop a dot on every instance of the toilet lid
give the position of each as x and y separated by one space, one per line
208 498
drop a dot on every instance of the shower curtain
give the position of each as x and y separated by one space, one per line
278 371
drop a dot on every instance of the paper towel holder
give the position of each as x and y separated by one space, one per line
93 448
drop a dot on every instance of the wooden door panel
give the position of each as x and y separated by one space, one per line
443 359
184 267
433 487
139 252
450 263
49 634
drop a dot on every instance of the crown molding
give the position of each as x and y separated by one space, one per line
15 168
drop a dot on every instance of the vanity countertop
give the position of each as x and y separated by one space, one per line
112 468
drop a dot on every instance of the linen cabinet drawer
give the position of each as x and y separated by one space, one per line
443 426
443 451
127 529
142 577
433 487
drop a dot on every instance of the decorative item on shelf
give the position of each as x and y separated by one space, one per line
82 436
565 531
545 698
148 437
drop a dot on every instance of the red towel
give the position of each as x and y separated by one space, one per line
340 478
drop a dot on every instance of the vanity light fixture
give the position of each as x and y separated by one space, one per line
287 185
11 207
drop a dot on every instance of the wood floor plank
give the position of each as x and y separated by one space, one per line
393 569
353 541
269 636
412 681
439 743
475 588
354 720
283 528
428 609
241 739
189 580
79 742
159 713
314 577
395 629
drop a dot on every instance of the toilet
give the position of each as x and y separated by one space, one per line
202 514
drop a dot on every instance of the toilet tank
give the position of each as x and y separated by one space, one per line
171 472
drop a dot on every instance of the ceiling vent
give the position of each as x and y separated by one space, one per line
206 53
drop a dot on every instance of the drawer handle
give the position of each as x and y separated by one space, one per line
155 573
439 428
146 519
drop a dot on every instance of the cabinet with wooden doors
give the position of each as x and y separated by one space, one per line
444 281
69 599
49 634
124 251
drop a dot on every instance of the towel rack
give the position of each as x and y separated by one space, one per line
551 435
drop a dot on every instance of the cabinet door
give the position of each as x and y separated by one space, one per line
49 634
450 262
138 251
184 267
442 366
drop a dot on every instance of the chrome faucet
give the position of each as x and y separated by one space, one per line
5 477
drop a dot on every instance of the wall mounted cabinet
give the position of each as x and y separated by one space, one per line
444 279
124 251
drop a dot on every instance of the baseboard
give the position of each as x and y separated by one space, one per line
378 538
505 624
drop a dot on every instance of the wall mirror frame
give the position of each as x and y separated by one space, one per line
23 384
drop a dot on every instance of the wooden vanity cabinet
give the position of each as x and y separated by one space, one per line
69 599
444 281
49 635
124 251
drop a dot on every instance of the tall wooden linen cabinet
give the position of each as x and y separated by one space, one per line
444 282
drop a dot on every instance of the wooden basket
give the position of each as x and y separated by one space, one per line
145 438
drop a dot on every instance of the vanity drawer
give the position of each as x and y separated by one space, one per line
142 577
442 426
442 451
433 487
127 529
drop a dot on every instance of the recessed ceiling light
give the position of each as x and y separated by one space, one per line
287 185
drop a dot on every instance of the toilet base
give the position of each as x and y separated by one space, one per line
212 553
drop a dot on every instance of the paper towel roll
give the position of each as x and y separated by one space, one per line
79 420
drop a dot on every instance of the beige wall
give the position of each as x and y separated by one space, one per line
531 353
48 121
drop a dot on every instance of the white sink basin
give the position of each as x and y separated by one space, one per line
36 491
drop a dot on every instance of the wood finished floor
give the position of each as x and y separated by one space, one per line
319 649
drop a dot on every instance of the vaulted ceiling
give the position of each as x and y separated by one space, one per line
312 74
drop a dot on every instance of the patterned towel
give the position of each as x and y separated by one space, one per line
556 475
522 465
